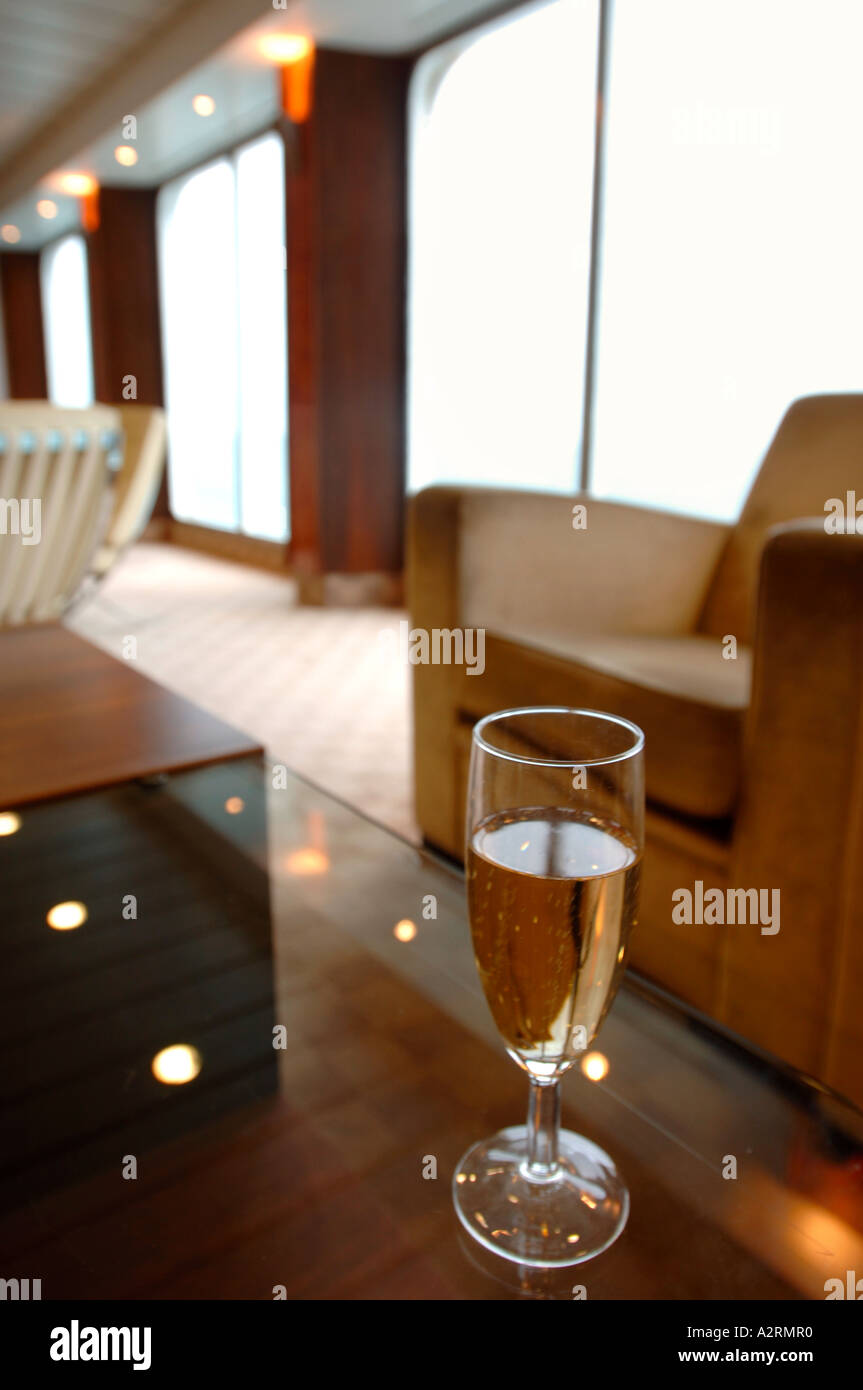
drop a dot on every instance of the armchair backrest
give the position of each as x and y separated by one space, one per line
55 499
816 455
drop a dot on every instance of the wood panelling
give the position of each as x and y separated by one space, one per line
22 324
124 302
303 353
346 312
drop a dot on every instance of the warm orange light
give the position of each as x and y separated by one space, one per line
285 48
305 862
66 916
126 155
203 105
10 821
176 1065
234 805
90 211
78 185
297 75
405 930
46 208
595 1066
10 233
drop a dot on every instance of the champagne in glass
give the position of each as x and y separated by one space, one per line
555 832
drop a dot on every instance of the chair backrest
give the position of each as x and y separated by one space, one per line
54 503
816 454
137 483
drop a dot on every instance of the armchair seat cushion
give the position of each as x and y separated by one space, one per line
690 701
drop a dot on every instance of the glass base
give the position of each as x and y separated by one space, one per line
563 1219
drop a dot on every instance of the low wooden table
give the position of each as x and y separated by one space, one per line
73 719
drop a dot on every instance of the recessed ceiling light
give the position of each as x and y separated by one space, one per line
46 208
126 155
10 821
79 185
405 930
67 916
10 233
204 105
285 48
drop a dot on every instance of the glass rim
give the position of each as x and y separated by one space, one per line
637 746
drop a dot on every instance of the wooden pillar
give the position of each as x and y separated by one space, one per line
124 303
22 325
346 186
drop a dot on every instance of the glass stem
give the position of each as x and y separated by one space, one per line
543 1125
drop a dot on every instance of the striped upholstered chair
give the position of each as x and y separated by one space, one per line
76 487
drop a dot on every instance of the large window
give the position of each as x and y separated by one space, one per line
66 322
501 174
224 325
727 257
732 271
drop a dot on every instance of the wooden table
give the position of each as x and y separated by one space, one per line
73 719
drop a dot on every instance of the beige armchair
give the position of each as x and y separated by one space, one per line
739 651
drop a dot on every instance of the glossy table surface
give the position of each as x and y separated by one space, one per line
240 912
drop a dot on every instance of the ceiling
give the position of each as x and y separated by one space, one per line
70 70
51 49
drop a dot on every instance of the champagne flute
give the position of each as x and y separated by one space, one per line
555 833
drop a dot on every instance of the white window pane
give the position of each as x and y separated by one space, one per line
501 180
261 274
732 274
66 322
197 254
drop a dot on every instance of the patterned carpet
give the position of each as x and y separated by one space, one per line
319 687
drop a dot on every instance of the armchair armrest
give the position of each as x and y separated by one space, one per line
799 827
521 562
432 596
431 557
